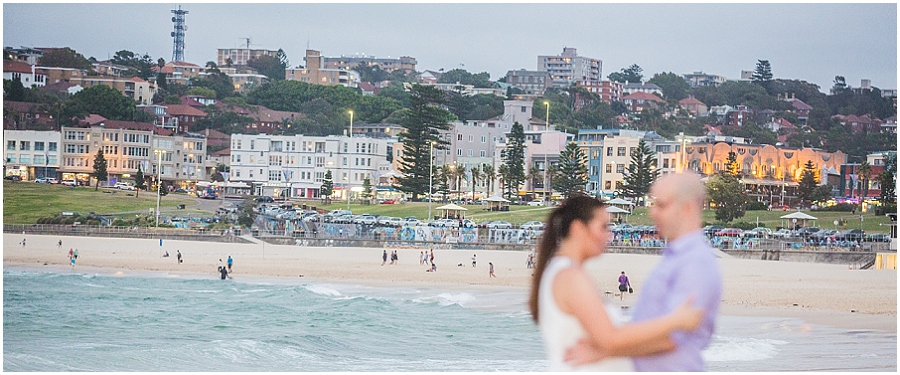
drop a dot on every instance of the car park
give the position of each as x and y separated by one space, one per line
823 235
12 177
806 231
532 225
850 235
412 221
367 219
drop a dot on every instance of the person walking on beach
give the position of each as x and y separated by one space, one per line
230 261
72 261
75 254
179 255
473 260
491 270
421 257
567 307
220 265
23 242
70 253
384 257
624 286
59 244
688 268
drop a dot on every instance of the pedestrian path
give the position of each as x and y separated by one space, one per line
252 239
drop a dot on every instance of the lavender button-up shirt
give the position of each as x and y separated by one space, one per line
688 267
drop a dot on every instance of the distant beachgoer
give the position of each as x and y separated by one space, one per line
384 257
220 266
624 286
72 261
433 267
421 257
75 254
394 257
431 256
59 244
179 256
223 272
230 261
70 253
166 255
473 260
491 270
23 242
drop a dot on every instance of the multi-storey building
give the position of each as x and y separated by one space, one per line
639 101
404 63
240 56
178 159
134 88
316 73
179 72
531 82
295 165
31 154
609 91
648 88
29 75
568 68
700 79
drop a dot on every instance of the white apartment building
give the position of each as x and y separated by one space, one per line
295 165
31 154
568 68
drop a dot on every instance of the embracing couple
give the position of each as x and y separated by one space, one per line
674 318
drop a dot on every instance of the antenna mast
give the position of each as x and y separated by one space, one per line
178 34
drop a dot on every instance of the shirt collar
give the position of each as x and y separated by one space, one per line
681 244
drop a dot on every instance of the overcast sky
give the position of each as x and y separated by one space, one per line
812 42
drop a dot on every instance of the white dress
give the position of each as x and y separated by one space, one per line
561 331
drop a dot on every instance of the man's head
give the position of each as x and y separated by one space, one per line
678 204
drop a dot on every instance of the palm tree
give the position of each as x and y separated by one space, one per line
503 171
865 173
476 175
460 177
533 174
489 175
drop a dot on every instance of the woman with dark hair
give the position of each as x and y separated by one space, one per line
567 306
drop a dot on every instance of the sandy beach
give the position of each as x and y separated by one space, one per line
824 294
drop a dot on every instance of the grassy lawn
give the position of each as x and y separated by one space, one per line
516 215
25 202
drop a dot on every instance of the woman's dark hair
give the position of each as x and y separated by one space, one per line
581 208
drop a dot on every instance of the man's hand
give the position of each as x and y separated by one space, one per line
583 353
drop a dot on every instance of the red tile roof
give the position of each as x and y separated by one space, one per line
643 96
224 152
183 110
213 134
800 105
690 101
16 67
133 125
93 119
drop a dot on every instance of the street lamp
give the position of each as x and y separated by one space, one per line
430 176
349 166
158 181
546 165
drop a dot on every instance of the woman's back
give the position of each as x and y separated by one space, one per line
561 331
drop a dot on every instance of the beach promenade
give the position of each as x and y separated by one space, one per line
826 294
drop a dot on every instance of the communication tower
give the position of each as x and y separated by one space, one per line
178 34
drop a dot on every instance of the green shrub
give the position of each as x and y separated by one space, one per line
757 206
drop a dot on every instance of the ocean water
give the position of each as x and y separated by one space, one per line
71 321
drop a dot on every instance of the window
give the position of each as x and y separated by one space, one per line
609 168
620 151
24 159
483 139
274 175
459 137
469 152
608 185
619 185
523 109
620 168
595 170
471 138
252 145
665 163
39 146
459 152
482 153
320 161
51 146
609 151
633 150
10 145
24 145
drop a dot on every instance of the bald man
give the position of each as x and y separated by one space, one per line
688 268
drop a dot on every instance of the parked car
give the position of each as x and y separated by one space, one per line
412 221
70 183
123 186
624 228
759 232
782 233
711 230
536 203
823 235
878 237
445 223
850 235
498 224
46 180
730 232
339 212
395 221
263 199
387 201
532 225
367 219
12 177
806 231
180 190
